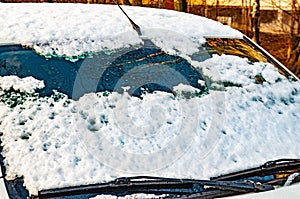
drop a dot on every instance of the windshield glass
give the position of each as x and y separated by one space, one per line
150 68
236 47
141 70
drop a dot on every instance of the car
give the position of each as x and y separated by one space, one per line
104 101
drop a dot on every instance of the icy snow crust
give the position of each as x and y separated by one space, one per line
58 142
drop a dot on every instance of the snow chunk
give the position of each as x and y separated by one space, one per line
236 70
27 84
186 91
187 88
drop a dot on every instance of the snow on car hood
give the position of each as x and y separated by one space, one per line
57 142
54 141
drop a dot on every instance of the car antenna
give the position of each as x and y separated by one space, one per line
134 25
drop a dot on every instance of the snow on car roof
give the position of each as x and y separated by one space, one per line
73 29
57 142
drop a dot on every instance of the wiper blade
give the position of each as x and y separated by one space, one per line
158 185
282 168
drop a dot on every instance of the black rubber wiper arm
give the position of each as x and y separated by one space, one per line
147 42
134 25
287 166
157 185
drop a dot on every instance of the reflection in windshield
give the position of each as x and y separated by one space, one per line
235 47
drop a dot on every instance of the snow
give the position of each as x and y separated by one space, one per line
229 68
62 142
72 30
27 84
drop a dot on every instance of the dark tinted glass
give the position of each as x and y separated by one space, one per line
142 70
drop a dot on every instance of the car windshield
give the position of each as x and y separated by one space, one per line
103 105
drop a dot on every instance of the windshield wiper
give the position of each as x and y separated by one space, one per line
134 25
275 172
187 188
262 178
147 42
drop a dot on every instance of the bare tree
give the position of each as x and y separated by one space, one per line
294 58
126 2
256 20
294 43
293 52
181 5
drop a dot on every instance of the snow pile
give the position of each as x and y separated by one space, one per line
93 135
101 137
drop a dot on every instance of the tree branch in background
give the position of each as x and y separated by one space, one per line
256 20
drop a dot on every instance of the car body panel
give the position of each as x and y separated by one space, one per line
3 190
